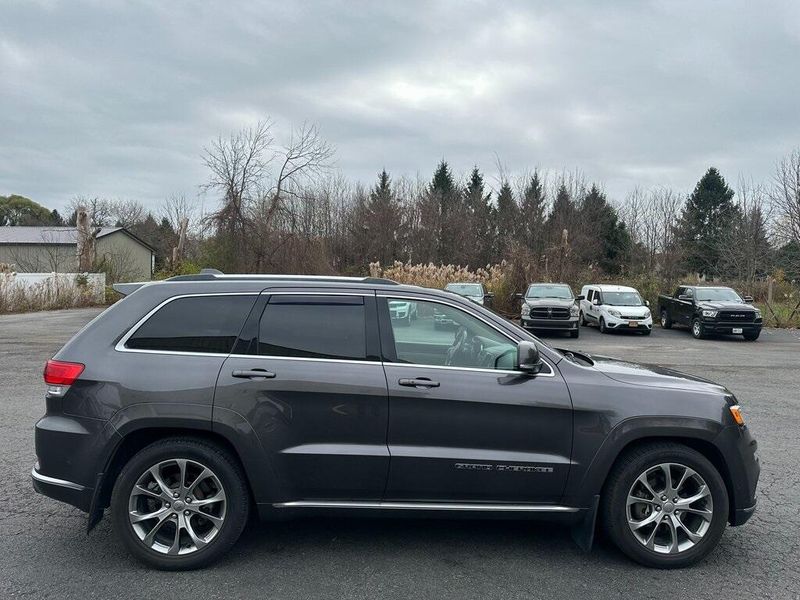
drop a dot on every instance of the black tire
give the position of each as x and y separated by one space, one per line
602 325
622 477
584 323
647 332
230 475
697 329
751 336
575 333
666 320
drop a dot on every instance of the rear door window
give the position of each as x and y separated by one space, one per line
332 327
204 324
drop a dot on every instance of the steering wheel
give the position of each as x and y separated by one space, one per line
465 349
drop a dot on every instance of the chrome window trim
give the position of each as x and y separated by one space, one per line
120 346
478 317
550 373
303 358
447 506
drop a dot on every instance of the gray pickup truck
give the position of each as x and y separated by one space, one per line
710 310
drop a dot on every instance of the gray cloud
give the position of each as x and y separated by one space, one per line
118 99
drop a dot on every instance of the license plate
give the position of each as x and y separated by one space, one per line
736 330
633 323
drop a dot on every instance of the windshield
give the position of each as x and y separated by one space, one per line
622 299
465 289
540 290
716 294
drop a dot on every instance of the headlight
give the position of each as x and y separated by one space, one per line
647 314
709 313
758 314
574 310
615 313
526 310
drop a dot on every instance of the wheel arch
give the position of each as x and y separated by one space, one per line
138 439
703 446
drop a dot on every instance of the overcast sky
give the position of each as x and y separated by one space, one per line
118 99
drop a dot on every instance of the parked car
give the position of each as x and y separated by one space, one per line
474 291
615 307
550 307
195 400
710 309
403 311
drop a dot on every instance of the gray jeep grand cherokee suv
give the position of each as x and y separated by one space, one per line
196 400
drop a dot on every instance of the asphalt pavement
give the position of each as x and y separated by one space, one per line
45 552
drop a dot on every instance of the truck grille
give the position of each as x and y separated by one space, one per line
736 316
543 312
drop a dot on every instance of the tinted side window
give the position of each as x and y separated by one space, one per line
590 295
314 327
429 333
198 324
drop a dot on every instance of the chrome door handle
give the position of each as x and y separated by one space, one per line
252 374
418 382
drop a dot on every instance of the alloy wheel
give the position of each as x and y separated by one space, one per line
177 506
669 508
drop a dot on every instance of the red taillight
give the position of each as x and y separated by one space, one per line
58 372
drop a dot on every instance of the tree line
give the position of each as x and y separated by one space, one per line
280 207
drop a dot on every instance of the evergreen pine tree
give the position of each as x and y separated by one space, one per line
709 212
532 215
477 242
507 220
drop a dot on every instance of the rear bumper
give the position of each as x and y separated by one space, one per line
70 453
62 490
552 324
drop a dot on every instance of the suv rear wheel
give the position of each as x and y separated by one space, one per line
665 505
180 504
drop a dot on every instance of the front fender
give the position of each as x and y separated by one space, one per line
586 480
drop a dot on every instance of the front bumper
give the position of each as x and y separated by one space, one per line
622 323
552 324
712 326
740 452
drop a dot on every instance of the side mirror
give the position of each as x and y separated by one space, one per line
579 298
748 299
647 302
528 359
684 297
489 295
518 296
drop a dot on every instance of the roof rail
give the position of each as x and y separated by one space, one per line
214 274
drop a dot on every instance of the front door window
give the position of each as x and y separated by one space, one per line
430 333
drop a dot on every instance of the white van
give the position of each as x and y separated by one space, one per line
615 307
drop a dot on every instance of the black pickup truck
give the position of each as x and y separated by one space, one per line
706 309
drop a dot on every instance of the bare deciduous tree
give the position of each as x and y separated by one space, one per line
785 196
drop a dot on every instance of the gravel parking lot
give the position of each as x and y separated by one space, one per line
45 552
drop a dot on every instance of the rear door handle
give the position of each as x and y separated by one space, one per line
418 382
253 374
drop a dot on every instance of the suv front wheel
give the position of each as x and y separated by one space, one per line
665 505
180 504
